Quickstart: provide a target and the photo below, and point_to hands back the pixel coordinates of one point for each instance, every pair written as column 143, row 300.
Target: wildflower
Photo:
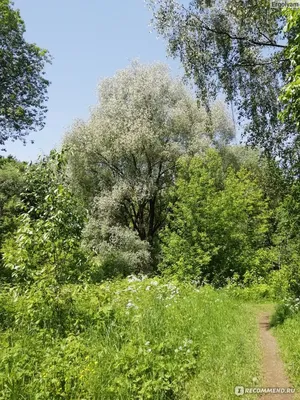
column 129, row 304
column 130, row 289
column 132, row 278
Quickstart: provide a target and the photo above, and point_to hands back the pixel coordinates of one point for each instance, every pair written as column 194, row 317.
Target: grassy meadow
column 128, row 339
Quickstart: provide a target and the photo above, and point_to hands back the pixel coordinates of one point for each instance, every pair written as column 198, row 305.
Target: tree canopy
column 236, row 48
column 23, row 86
column 123, row 158
column 290, row 95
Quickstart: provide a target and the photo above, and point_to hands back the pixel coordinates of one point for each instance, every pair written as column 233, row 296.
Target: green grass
column 147, row 339
column 288, row 336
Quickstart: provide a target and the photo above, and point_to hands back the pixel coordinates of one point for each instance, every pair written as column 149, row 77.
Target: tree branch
column 235, row 37
column 109, row 164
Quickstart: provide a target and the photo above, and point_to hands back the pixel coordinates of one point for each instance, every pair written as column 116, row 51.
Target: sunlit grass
column 288, row 336
column 147, row 339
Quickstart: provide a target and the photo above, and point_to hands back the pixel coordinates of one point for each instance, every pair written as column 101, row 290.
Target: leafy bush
column 47, row 240
column 218, row 224
column 7, row 307
column 286, row 240
column 285, row 309
column 11, row 186
column 118, row 251
column 255, row 293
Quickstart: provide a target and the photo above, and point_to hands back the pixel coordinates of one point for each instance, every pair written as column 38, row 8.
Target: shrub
column 218, row 224
column 47, row 241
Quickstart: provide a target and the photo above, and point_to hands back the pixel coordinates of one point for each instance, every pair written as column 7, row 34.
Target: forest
column 137, row 258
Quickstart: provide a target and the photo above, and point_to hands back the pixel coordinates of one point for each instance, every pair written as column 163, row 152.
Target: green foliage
column 123, row 159
column 41, row 368
column 11, row 186
column 118, row 250
column 255, row 293
column 267, row 172
column 284, row 310
column 7, row 307
column 288, row 336
column 115, row 345
column 218, row 224
column 225, row 45
column 23, row 87
column 11, row 180
column 286, row 239
column 46, row 244
column 291, row 92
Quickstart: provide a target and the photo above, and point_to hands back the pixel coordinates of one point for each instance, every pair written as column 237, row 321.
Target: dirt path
column 273, row 368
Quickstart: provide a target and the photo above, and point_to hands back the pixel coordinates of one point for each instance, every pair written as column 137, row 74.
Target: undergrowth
column 137, row 338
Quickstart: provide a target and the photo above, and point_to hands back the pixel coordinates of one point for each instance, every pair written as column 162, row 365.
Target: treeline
column 150, row 184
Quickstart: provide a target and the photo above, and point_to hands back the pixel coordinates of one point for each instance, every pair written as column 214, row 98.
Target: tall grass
column 288, row 334
column 130, row 339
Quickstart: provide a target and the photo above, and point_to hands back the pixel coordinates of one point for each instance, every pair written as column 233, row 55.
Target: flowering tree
column 123, row 158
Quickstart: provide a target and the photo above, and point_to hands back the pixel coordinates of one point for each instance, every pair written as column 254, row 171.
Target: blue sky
column 89, row 40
